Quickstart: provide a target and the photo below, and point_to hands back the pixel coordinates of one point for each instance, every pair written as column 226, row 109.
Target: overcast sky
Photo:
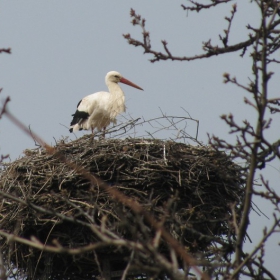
column 62, row 50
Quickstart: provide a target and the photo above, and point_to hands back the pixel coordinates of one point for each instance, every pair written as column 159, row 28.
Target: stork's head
column 116, row 77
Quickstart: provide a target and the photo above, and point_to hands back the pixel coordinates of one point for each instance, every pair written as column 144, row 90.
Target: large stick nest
column 193, row 188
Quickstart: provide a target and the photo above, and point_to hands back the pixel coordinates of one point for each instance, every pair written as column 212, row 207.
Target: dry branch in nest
column 192, row 190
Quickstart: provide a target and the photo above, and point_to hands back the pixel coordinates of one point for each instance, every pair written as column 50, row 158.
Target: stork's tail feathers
column 78, row 119
column 75, row 127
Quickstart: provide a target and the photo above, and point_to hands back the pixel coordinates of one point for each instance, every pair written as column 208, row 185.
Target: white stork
column 97, row 110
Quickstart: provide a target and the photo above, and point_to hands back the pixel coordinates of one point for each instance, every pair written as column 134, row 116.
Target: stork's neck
column 116, row 99
column 115, row 90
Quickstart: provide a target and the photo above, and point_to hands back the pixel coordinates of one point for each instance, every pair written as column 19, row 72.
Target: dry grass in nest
column 191, row 187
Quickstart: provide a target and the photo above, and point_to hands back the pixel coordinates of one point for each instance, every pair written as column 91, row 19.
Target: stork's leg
column 104, row 129
column 92, row 129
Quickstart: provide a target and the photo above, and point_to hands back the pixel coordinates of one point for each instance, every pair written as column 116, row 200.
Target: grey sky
column 62, row 50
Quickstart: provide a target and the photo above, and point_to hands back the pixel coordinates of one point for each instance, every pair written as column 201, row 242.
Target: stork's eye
column 116, row 76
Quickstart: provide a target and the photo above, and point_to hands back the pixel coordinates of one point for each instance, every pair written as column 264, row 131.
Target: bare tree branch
column 198, row 6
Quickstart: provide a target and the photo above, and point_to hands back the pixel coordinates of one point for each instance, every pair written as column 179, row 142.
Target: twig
column 128, row 266
column 257, row 248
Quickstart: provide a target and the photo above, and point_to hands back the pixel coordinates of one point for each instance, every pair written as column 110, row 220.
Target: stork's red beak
column 127, row 82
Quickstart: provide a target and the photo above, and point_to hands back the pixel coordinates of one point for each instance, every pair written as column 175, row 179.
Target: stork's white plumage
column 99, row 109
